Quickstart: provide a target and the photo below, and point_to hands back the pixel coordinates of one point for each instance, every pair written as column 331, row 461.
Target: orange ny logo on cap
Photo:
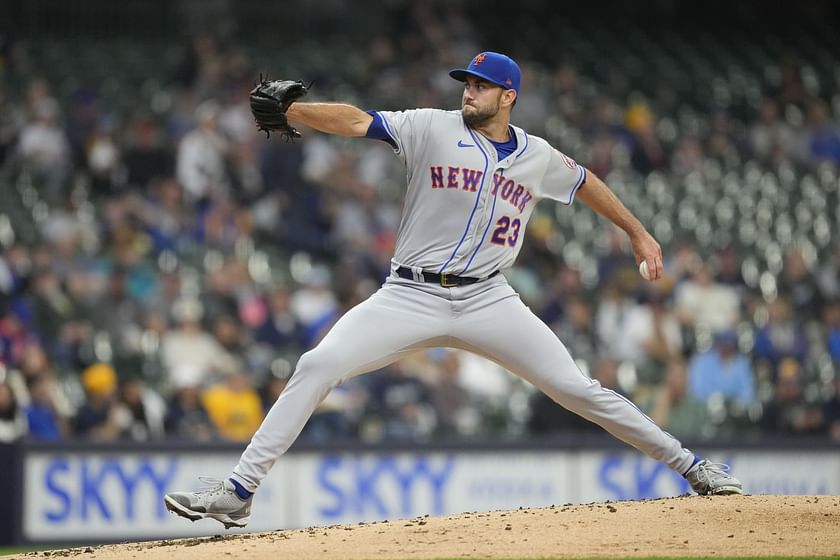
column 479, row 58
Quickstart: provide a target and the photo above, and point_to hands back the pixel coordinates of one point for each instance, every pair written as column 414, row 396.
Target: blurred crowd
column 163, row 266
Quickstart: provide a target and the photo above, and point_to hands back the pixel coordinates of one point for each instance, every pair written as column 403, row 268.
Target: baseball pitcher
column 473, row 182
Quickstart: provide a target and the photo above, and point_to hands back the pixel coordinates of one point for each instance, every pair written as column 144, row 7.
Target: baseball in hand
column 643, row 270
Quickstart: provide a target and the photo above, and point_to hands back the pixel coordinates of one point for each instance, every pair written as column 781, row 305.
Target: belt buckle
column 444, row 281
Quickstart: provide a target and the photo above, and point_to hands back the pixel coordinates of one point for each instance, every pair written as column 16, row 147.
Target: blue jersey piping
column 397, row 148
column 580, row 182
column 492, row 212
column 477, row 199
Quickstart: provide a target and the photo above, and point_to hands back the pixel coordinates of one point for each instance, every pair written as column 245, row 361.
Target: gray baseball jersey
column 465, row 211
column 465, row 214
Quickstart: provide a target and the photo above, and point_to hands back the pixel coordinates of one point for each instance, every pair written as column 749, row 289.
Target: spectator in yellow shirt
column 234, row 407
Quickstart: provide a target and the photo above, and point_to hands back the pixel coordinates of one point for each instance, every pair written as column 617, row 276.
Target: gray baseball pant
column 486, row 318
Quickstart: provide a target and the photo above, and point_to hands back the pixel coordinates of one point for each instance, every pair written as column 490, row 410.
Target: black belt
column 445, row 280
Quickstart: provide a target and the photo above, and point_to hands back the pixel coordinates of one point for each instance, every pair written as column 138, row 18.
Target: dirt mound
column 684, row 526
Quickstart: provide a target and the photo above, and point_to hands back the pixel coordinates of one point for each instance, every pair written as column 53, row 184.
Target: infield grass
column 7, row 550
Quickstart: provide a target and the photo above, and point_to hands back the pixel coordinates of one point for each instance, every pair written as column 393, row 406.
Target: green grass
column 9, row 550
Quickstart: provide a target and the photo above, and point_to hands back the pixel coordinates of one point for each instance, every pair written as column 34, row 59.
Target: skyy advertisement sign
column 98, row 497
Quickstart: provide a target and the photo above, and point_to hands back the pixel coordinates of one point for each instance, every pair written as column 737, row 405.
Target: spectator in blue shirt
column 722, row 370
column 782, row 337
column 44, row 422
column 831, row 318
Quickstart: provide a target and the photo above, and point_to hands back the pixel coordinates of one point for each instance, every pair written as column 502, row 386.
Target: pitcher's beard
column 477, row 118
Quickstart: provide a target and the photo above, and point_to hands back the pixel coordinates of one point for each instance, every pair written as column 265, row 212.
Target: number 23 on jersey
column 506, row 232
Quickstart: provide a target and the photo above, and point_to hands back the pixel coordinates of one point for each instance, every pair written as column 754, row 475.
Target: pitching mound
column 685, row 526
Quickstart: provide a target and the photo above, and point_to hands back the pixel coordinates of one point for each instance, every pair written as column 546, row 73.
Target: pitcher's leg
column 393, row 322
column 525, row 345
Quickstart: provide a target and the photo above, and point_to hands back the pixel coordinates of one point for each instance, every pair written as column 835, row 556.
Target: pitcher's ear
column 510, row 94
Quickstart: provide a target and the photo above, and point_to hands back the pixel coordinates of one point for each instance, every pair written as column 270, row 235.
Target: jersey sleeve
column 378, row 131
column 563, row 177
column 404, row 131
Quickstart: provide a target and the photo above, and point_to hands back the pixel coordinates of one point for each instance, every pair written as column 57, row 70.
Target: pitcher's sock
column 697, row 459
column 240, row 490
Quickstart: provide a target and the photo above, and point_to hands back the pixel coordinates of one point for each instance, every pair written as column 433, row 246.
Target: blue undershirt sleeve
column 377, row 130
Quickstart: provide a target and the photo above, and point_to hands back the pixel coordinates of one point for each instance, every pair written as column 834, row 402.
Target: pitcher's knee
column 320, row 365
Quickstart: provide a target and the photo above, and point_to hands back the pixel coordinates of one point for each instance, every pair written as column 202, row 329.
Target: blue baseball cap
column 493, row 67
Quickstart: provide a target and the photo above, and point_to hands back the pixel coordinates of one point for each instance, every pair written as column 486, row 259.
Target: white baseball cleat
column 219, row 502
column 707, row 478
